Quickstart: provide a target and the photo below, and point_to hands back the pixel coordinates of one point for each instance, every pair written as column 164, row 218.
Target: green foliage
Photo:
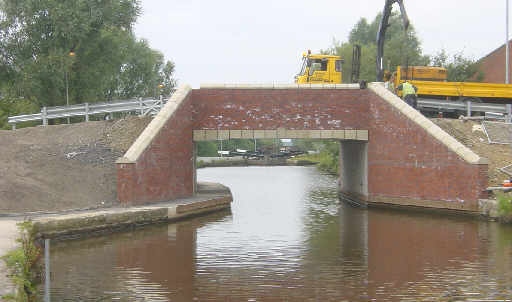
column 460, row 68
column 200, row 164
column 22, row 262
column 327, row 158
column 207, row 149
column 10, row 107
column 504, row 204
column 37, row 36
column 166, row 78
column 400, row 47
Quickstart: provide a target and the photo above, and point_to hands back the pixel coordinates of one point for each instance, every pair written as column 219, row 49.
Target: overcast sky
column 239, row 41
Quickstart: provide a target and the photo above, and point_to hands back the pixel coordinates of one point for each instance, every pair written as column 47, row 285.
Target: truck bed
column 464, row 89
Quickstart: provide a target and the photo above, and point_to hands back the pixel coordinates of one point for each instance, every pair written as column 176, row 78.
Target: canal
column 288, row 238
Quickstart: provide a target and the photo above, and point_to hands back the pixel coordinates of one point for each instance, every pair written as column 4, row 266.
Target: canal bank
column 211, row 197
column 488, row 209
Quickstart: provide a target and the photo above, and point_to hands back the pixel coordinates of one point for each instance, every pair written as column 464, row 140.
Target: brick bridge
column 389, row 153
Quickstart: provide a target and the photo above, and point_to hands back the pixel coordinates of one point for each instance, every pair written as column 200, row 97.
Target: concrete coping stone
column 214, row 134
column 278, row 86
column 464, row 152
column 155, row 126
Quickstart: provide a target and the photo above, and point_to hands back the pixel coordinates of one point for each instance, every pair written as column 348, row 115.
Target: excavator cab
column 320, row 69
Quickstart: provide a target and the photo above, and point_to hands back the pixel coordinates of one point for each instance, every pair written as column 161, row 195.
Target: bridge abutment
column 353, row 171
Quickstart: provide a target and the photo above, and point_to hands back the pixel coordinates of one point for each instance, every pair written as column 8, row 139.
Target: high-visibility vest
column 407, row 89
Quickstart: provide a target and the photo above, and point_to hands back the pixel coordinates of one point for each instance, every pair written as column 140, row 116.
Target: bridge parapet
column 279, row 86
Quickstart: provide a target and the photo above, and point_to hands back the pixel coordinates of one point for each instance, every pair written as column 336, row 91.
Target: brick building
column 493, row 65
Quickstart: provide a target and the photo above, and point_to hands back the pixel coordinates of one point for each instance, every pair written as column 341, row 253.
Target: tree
column 400, row 48
column 37, row 36
column 207, row 149
column 362, row 33
column 166, row 78
column 459, row 67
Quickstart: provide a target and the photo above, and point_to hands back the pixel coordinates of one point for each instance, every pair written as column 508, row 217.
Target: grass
column 22, row 264
column 327, row 162
column 504, row 204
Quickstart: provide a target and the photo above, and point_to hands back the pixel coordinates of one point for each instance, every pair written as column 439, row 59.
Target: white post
column 86, row 112
column 468, row 108
column 45, row 117
column 67, row 94
column 13, row 126
column 47, row 270
column 140, row 107
column 509, row 113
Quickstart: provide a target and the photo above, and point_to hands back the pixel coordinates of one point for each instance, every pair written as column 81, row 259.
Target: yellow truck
column 320, row 69
column 432, row 83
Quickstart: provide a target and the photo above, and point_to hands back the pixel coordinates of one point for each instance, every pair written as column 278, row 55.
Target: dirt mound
column 470, row 134
column 64, row 166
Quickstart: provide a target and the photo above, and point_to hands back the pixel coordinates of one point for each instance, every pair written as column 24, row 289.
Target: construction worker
column 387, row 76
column 389, row 83
column 392, row 87
column 409, row 94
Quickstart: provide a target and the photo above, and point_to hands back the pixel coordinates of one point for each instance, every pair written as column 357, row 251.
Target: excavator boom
column 381, row 34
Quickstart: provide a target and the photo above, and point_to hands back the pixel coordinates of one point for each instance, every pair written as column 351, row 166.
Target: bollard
column 45, row 117
column 47, row 270
column 141, row 108
column 509, row 113
column 86, row 112
column 468, row 108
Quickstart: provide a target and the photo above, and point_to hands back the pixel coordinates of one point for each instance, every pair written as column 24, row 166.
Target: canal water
column 287, row 238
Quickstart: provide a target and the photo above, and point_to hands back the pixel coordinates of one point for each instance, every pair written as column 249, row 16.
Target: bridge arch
column 353, row 155
column 390, row 153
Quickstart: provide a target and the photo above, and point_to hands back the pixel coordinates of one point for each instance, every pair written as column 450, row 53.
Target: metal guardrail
column 149, row 106
column 465, row 106
column 143, row 107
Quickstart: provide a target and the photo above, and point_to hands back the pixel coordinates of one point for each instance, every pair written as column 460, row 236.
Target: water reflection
column 150, row 264
column 427, row 256
column 288, row 238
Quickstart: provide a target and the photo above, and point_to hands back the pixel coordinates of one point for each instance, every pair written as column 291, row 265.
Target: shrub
column 22, row 264
column 504, row 204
